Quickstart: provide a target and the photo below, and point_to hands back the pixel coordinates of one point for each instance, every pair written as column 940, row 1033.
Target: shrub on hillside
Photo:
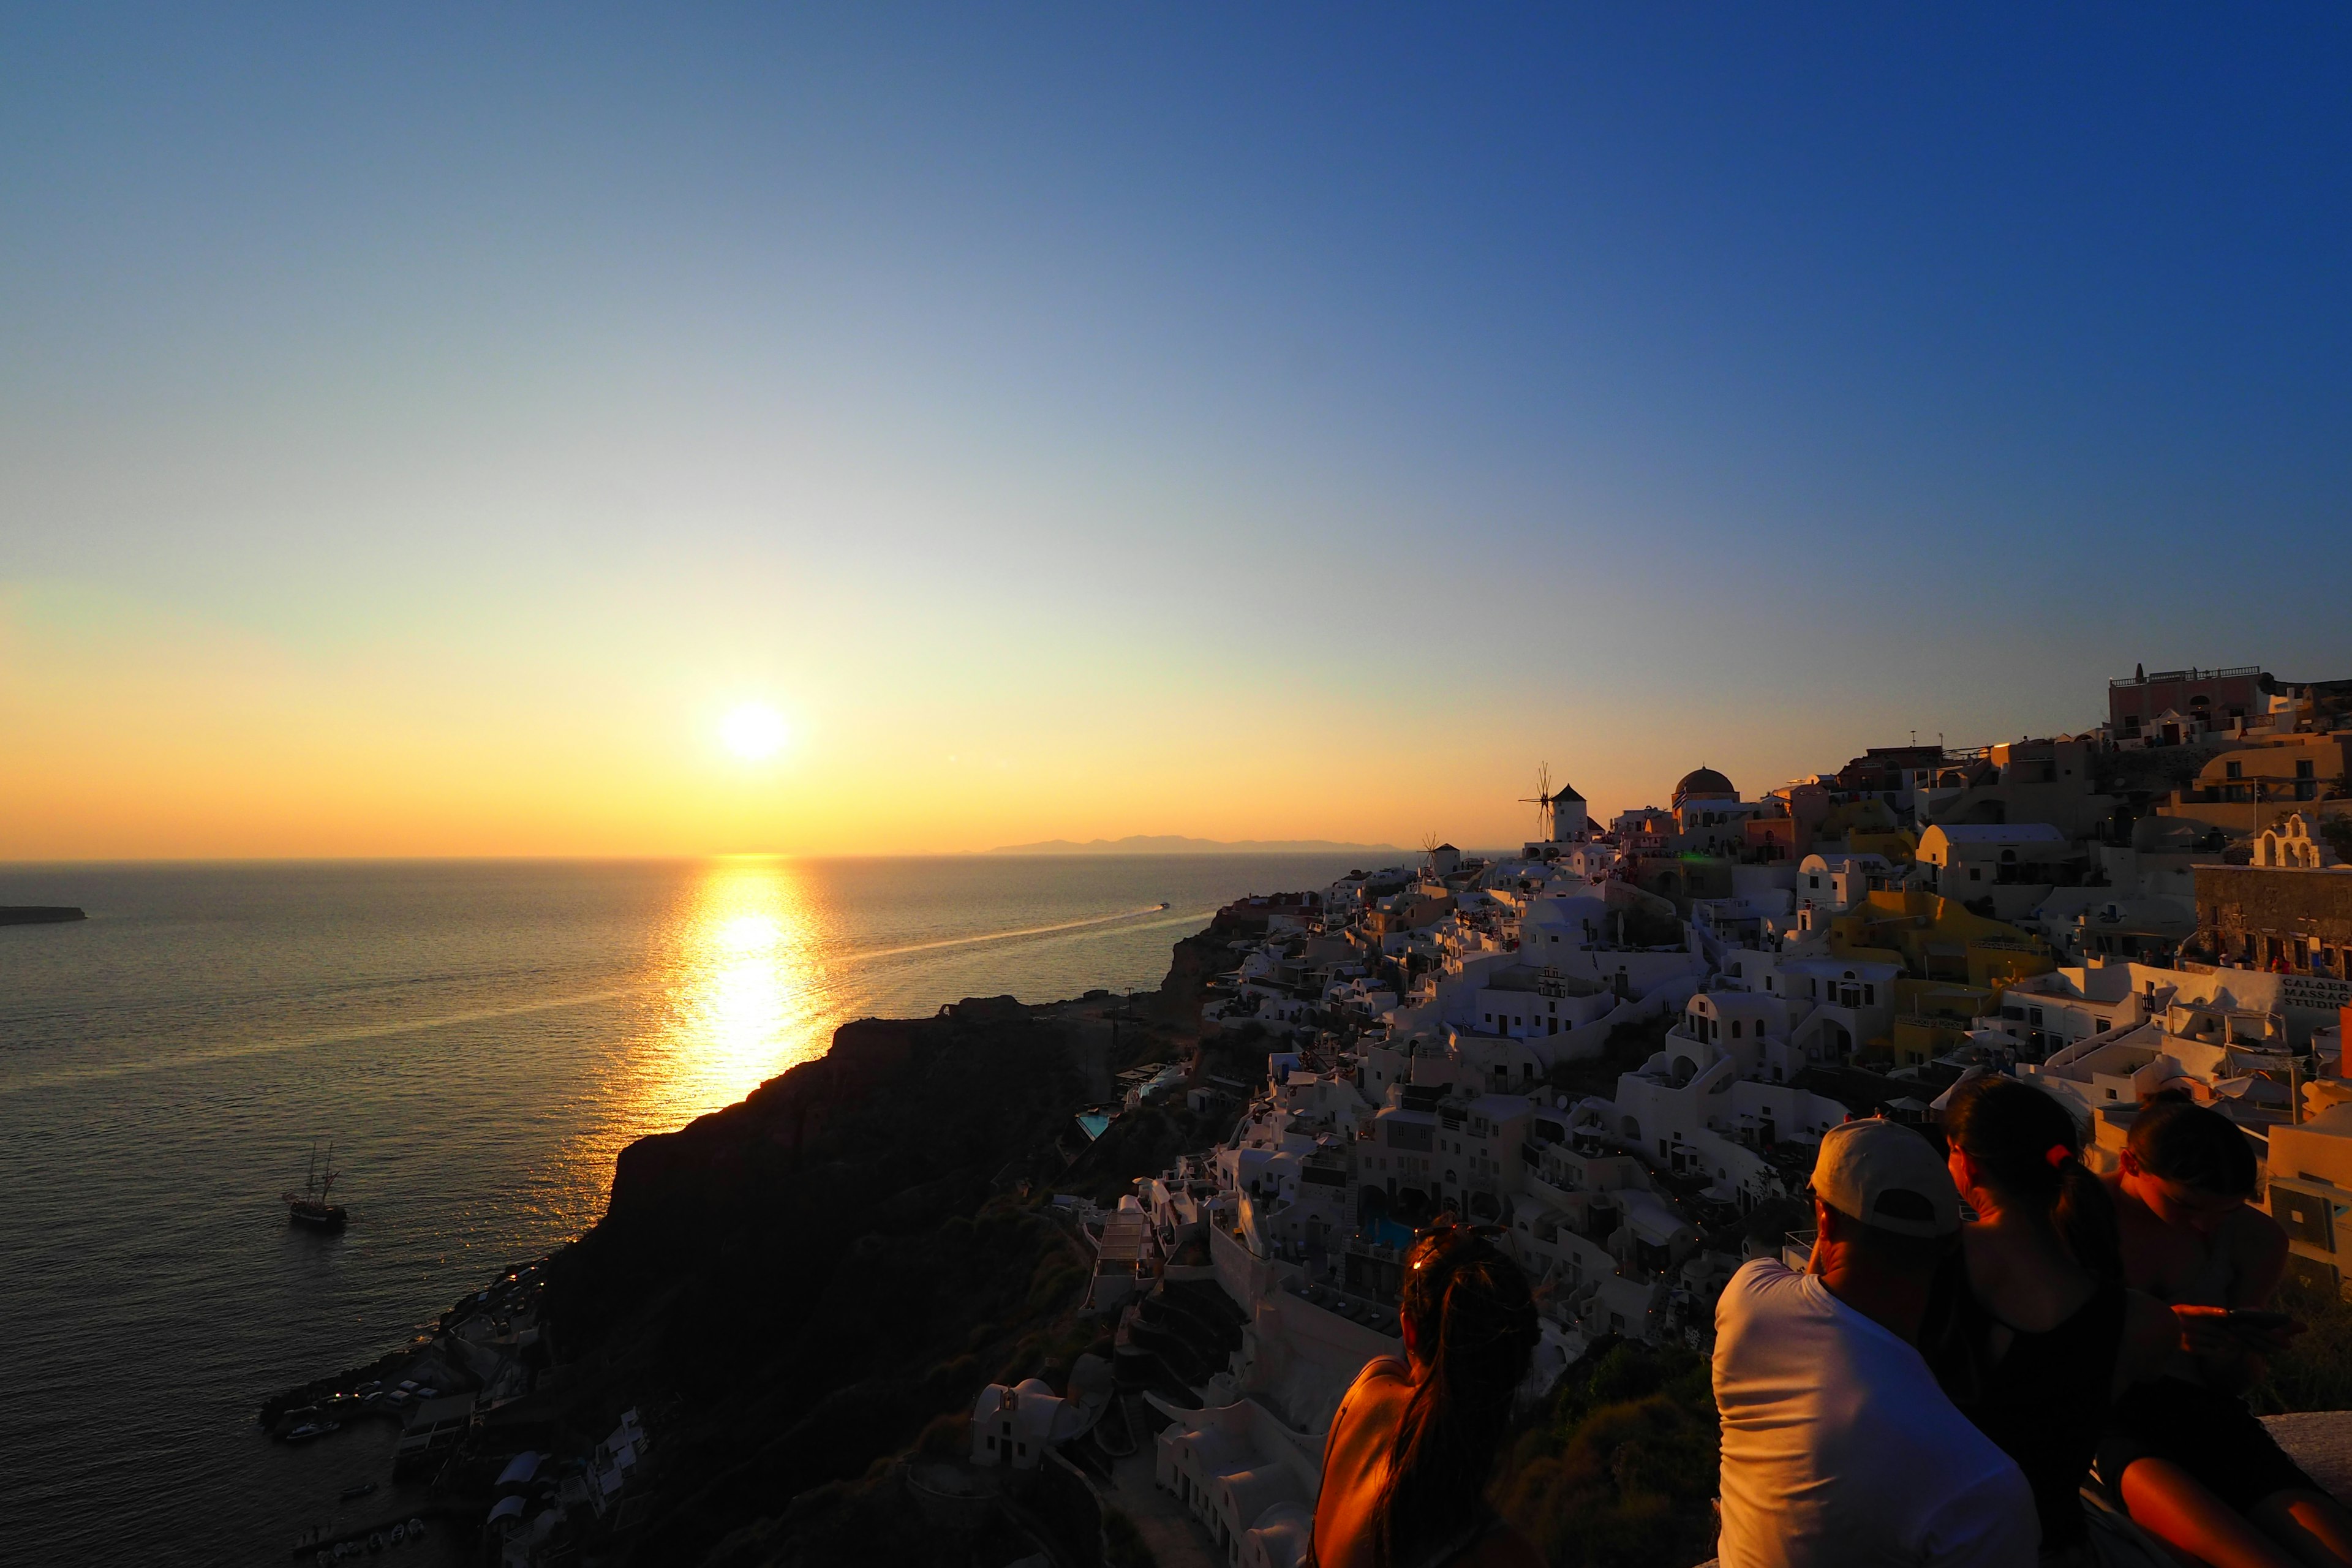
column 2317, row 1373
column 1618, row 1469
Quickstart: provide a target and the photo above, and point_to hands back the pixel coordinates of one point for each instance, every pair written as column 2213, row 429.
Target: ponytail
column 2085, row 1220
column 2030, row 1152
column 1473, row 1322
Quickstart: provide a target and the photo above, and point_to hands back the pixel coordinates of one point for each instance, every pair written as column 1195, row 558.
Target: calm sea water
column 479, row 1040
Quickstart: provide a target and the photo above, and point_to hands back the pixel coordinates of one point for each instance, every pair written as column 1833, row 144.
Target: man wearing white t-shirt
column 1838, row 1447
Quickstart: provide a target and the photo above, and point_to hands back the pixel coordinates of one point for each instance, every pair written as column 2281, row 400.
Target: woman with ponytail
column 1406, row 1462
column 2030, row 1331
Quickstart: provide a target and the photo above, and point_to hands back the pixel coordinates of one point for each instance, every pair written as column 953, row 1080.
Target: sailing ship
column 311, row 1206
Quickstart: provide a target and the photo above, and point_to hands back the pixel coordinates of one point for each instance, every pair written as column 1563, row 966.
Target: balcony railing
column 2235, row 672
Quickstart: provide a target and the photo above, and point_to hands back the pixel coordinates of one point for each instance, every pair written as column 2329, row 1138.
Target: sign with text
column 2316, row 992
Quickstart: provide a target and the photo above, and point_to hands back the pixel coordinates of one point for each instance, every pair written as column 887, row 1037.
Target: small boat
column 357, row 1490
column 310, row 1207
column 399, row 1533
column 415, row 1528
column 375, row 1540
column 1163, row 904
column 309, row 1429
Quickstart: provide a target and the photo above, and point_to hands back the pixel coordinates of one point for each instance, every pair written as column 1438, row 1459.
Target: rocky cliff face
column 803, row 1281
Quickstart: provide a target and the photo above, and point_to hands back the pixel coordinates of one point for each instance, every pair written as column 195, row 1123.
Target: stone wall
column 2253, row 915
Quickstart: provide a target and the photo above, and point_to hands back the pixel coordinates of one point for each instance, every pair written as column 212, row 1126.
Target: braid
column 1470, row 1307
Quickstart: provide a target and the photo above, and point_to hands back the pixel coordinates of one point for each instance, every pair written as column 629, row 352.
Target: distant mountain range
column 1175, row 843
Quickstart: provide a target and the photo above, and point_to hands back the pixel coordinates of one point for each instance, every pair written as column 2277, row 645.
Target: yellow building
column 1957, row 963
column 1932, row 1016
column 1899, row 845
column 2253, row 786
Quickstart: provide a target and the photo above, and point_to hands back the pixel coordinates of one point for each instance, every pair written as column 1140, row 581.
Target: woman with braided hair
column 1407, row 1459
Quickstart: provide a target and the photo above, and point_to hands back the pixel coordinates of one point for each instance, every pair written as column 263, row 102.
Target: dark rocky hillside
column 806, row 1279
column 804, row 1283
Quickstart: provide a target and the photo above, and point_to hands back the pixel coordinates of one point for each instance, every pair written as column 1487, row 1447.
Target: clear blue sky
column 416, row 427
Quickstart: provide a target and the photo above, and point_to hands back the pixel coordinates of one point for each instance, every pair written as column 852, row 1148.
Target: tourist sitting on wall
column 2030, row 1330
column 1838, row 1447
column 1409, row 1452
column 2182, row 1453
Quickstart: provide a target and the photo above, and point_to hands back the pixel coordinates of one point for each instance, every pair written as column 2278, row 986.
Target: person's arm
column 1988, row 1525
column 1340, row 1514
column 2230, row 1354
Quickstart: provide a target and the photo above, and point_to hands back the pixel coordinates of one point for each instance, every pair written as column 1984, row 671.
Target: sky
column 421, row 428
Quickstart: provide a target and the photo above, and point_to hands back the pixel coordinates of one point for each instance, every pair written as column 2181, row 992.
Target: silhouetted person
column 2030, row 1331
column 2183, row 1453
column 1838, row 1447
column 1410, row 1451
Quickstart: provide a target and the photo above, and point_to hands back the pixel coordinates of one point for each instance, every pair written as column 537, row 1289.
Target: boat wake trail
column 307, row 1040
column 1125, row 917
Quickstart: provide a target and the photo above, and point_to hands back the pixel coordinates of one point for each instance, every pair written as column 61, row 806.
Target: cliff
column 797, row 1287
column 801, row 1281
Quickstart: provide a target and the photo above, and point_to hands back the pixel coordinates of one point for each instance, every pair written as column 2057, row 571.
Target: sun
column 752, row 731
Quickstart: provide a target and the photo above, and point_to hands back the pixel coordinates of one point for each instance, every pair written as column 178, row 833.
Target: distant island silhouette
column 1176, row 844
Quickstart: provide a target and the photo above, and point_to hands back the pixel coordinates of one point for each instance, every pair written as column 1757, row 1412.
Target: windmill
column 1542, row 801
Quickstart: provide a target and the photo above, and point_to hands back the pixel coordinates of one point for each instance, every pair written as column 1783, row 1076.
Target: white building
column 1837, row 881
column 1961, row 861
column 1016, row 1425
column 1238, row 1469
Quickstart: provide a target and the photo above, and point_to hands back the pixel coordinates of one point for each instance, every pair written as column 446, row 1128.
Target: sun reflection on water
column 746, row 995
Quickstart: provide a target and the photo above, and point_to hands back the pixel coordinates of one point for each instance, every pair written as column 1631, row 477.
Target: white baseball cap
column 1887, row 1177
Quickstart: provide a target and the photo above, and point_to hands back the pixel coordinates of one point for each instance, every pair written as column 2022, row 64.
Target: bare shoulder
column 1385, row 1382
column 1380, row 1373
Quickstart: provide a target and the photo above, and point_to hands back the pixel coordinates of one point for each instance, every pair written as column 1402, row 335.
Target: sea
column 477, row 1041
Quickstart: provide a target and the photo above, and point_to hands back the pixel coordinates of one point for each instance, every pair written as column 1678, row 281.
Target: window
column 2233, row 770
column 2304, row 1215
column 1870, row 995
column 1735, row 1028
column 2303, row 770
